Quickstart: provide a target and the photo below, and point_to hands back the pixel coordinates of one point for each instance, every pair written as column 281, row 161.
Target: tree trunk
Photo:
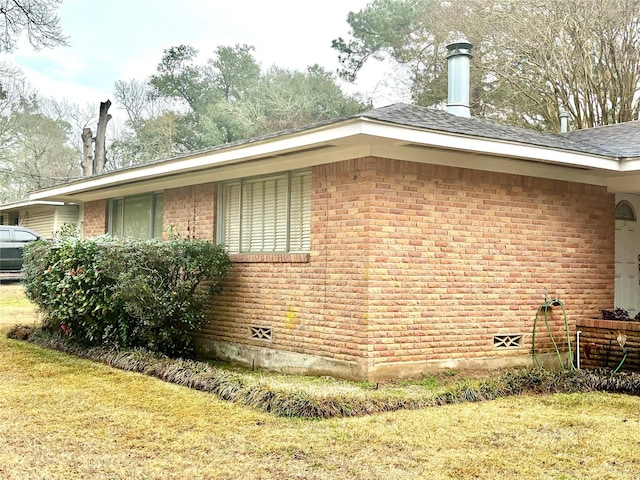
column 101, row 148
column 87, row 153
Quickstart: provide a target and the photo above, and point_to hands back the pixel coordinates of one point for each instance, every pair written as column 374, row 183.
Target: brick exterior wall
column 191, row 211
column 96, row 218
column 599, row 346
column 459, row 256
column 415, row 263
column 314, row 307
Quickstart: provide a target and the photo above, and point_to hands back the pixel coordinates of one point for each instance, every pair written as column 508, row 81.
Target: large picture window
column 139, row 216
column 267, row 214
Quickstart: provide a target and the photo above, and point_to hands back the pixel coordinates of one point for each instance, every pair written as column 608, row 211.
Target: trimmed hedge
column 126, row 294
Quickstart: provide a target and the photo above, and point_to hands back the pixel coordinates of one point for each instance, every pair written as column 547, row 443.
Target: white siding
column 39, row 220
column 46, row 220
column 65, row 214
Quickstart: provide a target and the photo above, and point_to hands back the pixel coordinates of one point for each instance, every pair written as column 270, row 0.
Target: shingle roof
column 621, row 140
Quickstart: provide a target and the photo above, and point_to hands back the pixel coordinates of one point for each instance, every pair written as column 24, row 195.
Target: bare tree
column 36, row 19
column 532, row 59
column 35, row 150
column 581, row 57
column 100, row 157
column 139, row 100
column 87, row 163
column 14, row 90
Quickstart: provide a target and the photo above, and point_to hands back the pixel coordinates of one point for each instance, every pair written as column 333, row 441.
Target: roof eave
column 29, row 203
column 497, row 147
column 630, row 164
column 264, row 150
column 356, row 131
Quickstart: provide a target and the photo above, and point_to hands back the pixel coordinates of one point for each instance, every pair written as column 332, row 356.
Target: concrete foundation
column 300, row 364
column 276, row 360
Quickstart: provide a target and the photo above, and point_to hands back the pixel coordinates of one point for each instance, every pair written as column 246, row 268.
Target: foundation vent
column 507, row 341
column 260, row 333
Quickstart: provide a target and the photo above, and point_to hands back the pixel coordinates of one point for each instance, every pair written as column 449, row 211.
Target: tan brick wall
column 465, row 255
column 413, row 262
column 191, row 211
column 316, row 307
column 96, row 218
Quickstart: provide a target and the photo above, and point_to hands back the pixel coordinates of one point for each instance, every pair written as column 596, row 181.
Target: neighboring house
column 44, row 217
column 395, row 241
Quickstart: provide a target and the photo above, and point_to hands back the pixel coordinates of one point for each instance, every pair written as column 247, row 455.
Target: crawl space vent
column 261, row 333
column 507, row 341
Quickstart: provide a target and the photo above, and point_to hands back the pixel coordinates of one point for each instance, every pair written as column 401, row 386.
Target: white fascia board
column 226, row 172
column 630, row 165
column 487, row 163
column 261, row 151
column 489, row 146
column 29, row 203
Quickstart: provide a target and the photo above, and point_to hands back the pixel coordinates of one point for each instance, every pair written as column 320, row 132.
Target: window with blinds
column 136, row 217
column 267, row 214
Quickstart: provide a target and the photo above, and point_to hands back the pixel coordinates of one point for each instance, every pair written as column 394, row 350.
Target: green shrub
column 163, row 287
column 66, row 280
column 129, row 294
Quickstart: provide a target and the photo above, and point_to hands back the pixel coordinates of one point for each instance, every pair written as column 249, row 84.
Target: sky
column 112, row 40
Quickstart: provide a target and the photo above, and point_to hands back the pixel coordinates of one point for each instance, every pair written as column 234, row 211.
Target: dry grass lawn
column 66, row 418
column 14, row 306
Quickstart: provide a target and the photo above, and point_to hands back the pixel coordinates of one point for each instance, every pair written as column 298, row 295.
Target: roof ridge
column 384, row 109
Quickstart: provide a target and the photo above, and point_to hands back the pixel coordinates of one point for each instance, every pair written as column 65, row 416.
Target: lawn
column 66, row 418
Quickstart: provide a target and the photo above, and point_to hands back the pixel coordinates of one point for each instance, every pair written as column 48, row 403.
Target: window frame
column 622, row 207
column 303, row 226
column 152, row 214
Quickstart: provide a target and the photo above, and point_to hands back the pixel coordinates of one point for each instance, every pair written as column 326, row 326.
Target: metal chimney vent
column 564, row 122
column 459, row 58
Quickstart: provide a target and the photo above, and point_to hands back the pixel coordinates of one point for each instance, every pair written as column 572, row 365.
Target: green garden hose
column 624, row 357
column 544, row 308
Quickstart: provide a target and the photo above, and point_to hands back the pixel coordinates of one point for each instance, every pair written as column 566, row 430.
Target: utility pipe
column 578, row 333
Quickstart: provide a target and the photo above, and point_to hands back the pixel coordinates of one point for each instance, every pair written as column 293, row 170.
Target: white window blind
column 300, row 212
column 267, row 214
column 231, row 215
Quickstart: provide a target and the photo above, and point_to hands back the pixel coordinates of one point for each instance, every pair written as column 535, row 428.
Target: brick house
column 395, row 241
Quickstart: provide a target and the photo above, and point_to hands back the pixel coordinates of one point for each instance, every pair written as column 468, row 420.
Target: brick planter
column 599, row 346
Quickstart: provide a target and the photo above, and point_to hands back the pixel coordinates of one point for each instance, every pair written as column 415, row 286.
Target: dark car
column 12, row 241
